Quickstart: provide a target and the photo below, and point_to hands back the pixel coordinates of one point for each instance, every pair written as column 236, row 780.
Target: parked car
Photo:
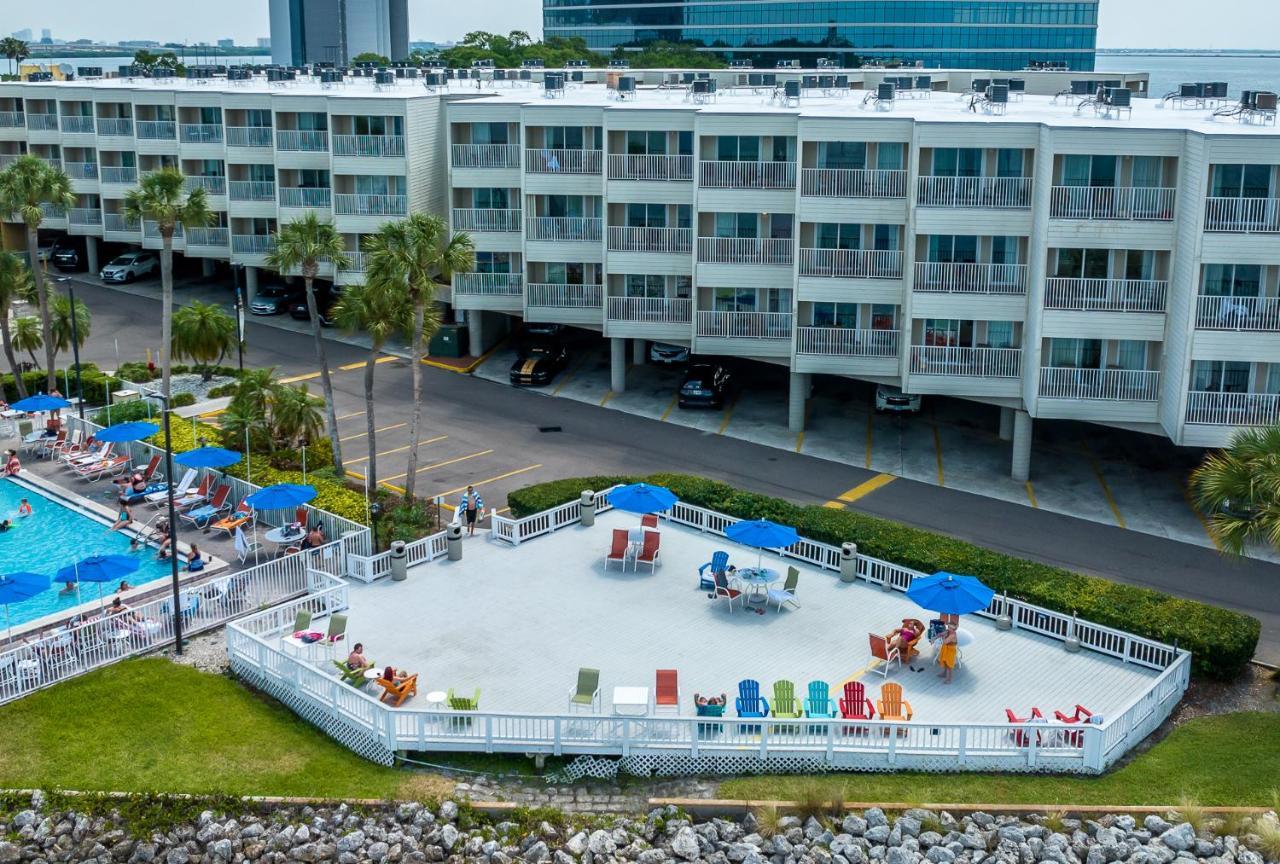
column 666, row 354
column 274, row 299
column 325, row 298
column 130, row 266
column 706, row 385
column 69, row 254
column 892, row 399
column 544, row 331
column 538, row 363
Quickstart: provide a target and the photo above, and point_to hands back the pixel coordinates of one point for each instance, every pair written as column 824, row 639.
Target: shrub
column 222, row 390
column 1222, row 642
column 137, row 371
column 331, row 494
column 182, row 400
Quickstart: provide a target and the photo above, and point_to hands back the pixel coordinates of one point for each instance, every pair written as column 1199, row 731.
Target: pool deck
column 518, row 622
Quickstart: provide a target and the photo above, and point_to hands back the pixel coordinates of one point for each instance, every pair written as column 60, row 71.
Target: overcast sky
column 1125, row 23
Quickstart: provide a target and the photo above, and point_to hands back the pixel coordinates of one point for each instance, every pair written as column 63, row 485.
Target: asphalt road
column 492, row 435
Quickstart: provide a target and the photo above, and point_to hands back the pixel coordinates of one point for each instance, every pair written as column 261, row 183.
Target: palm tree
column 15, row 281
column 161, row 197
column 16, row 50
column 418, row 254
column 203, row 332
column 60, row 311
column 378, row 310
column 1238, row 489
column 26, row 337
column 302, row 245
column 295, row 416
column 26, row 186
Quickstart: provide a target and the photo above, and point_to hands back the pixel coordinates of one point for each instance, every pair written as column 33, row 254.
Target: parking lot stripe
column 1195, row 511
column 490, row 480
column 937, row 446
column 728, row 415
column 349, row 366
column 349, row 416
column 808, row 403
column 440, row 465
column 568, row 375
column 399, row 449
column 869, row 416
column 864, row 489
column 834, row 505
column 310, row 376
column 1106, row 490
column 355, row 435
column 1031, row 494
column 670, row 406
column 607, row 397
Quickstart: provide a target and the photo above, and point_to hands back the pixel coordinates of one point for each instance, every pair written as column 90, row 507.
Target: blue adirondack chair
column 819, row 703
column 719, row 563
column 749, row 702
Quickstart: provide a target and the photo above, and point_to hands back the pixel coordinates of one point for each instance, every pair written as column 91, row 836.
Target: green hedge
column 1222, row 642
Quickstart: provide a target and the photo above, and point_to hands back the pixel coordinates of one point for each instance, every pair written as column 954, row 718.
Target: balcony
column 972, row 362
column 7, row 159
column 747, row 175
column 485, row 155
column 846, row 342
column 541, row 161
column 248, row 136
column 151, row 230
column 368, row 145
column 43, row 122
column 853, row 183
column 53, row 211
column 745, row 325
column 306, row 196
column 970, row 278
column 215, row 237
column 1259, row 314
column 200, row 133
column 77, row 124
column 1128, row 385
column 253, row 244
column 251, row 190
column 745, row 250
column 1105, row 295
column 212, row 184
column 626, row 166
column 851, row 263
column 997, row 193
column 348, row 204
column 502, row 284
column 355, row 262
column 545, row 294
column 156, row 130
column 1242, row 215
column 12, row 120
column 486, row 220
column 629, row 239
column 91, row 216
column 119, row 174
column 118, row 222
column 302, row 140
column 564, row 228
column 1112, row 204
column 650, row 310
column 1213, row 408
column 121, row 127
column 81, row 170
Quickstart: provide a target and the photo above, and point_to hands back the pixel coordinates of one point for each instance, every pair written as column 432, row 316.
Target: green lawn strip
column 1231, row 759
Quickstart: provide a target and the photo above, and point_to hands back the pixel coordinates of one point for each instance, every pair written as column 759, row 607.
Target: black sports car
column 538, row 363
column 705, row 385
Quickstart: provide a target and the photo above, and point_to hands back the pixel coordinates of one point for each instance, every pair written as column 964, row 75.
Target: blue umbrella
column 642, row 498
column 950, row 593
column 16, row 587
column 207, row 457
column 281, row 496
column 40, row 402
column 98, row 568
column 762, row 534
column 123, row 432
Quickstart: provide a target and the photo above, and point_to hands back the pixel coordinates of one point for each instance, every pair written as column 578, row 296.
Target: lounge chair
column 162, row 497
column 189, row 498
column 243, row 515
column 749, row 702
column 463, row 703
column 723, row 591
column 201, row 516
column 337, row 630
column 649, row 520
column 819, row 702
column 719, row 563
column 112, row 466
column 587, row 693
column 787, row 593
column 397, row 693
column 891, row 705
column 245, row 545
column 98, row 454
column 149, row 471
column 649, row 551
column 354, row 677
column 880, row 650
column 785, row 703
column 1021, row 737
column 618, row 551
column 666, row 691
column 70, row 442
column 301, row 621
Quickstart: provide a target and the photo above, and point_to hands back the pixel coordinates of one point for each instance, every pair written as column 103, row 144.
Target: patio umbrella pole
column 173, row 532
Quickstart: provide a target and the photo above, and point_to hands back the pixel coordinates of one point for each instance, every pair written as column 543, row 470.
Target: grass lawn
column 1232, row 759
column 151, row 725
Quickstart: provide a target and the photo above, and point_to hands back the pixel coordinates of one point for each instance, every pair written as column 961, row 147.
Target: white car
column 130, row 266
column 666, row 354
column 890, row 398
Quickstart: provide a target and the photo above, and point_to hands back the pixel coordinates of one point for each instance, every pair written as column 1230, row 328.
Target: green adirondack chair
column 463, row 703
column 354, row 677
column 785, row 704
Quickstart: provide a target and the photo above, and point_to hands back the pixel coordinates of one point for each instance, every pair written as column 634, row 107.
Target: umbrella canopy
column 642, row 498
column 950, row 593
column 281, row 496
column 207, row 457
column 122, row 432
column 40, row 402
column 98, row 568
column 16, row 587
column 762, row 534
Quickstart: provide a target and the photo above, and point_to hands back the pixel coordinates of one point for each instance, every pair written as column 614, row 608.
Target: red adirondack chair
column 1021, row 737
column 1073, row 738
column 618, row 552
column 855, row 705
column 666, row 691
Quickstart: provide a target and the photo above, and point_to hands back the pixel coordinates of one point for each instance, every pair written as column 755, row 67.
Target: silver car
column 130, row 266
column 892, row 399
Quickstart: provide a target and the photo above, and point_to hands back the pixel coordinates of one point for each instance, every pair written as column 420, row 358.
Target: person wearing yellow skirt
column 947, row 653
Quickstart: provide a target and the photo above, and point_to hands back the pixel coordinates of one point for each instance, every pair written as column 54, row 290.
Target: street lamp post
column 173, row 529
column 75, row 345
column 235, row 275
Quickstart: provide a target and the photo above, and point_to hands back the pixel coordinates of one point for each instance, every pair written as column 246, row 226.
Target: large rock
column 10, row 852
column 601, row 843
column 877, row 834
column 875, row 816
column 448, row 835
column 1180, row 838
column 537, row 853
column 685, row 844
column 855, row 826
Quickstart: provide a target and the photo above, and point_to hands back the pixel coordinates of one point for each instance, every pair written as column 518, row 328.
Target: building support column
column 250, row 283
column 799, row 394
column 475, row 332
column 1021, row 446
column 618, row 365
column 638, row 347
column 91, row 254
column 1006, row 424
column 206, row 267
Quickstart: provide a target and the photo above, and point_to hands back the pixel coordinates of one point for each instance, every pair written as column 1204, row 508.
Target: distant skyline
column 1123, row 23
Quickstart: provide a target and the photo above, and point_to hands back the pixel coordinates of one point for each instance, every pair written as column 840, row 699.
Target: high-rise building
column 24, row 34
column 46, row 35
column 226, row 43
column 941, row 33
column 264, row 42
column 334, row 31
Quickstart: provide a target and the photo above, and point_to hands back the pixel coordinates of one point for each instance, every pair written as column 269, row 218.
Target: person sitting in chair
column 395, row 677
column 12, row 466
column 356, row 661
column 902, row 637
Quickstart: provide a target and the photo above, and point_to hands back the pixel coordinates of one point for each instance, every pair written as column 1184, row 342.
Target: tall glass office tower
column 981, row 34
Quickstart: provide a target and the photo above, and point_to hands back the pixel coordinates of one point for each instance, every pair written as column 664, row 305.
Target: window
column 1140, row 264
column 884, row 316
column 734, row 300
column 1004, row 250
column 644, row 286
column 565, row 273
column 566, row 205
column 1000, row 334
column 209, row 115
column 646, row 143
column 835, row 315
column 736, row 148
column 258, row 117
column 564, row 137
column 736, row 225
column 957, row 162
column 262, row 173
column 311, row 121
column 1009, row 163
column 1232, row 280
column 1220, row 376
column 365, row 125
column 890, row 156
column 777, row 299
column 207, row 167
column 1131, row 354
column 842, row 154
column 372, row 184
column 1082, row 264
column 646, row 215
column 1241, row 181
column 885, row 237
column 953, row 249
column 1081, row 170
column 489, row 133
column 831, row 235
column 493, row 262
column 490, row 199
column 1076, row 353
column 1148, row 171
column 780, row 225
column 947, row 332
column 313, row 178
column 684, row 143
column 784, row 148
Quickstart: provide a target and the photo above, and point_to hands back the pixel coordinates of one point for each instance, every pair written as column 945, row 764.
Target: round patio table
column 758, row 579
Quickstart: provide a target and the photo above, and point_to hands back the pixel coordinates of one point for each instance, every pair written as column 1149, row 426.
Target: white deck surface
column 518, row 622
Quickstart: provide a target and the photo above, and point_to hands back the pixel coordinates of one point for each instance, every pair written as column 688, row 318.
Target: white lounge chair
column 183, row 485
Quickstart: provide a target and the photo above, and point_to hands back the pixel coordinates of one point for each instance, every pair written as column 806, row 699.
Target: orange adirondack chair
column 880, row 650
column 398, row 692
column 618, row 551
column 891, row 705
column 666, row 691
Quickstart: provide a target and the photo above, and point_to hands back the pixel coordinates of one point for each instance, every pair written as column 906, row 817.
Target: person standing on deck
column 471, row 504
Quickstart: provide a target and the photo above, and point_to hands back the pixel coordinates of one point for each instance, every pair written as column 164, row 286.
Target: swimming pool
column 54, row 536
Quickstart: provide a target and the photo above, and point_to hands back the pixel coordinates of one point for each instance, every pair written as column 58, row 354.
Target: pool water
column 54, row 536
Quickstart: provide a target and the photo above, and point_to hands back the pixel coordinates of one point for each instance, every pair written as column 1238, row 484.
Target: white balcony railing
column 485, row 155
column 486, row 220
column 1105, row 295
column 7, row 159
column 252, row 244
column 121, row 127
column 543, row 294
column 991, row 192
column 119, row 174
column 1112, row 203
column 347, row 204
column 81, row 170
column 151, row 230
column 53, row 211
column 85, row 216
column 575, row 228
column 118, row 222
column 368, row 145
column 1131, row 385
column 355, row 262
column 1233, row 409
column 12, row 119
column 42, row 122
column 76, row 124
column 305, row 140
column 852, row 263
column 212, row 184
column 200, row 133
column 846, row 342
column 248, row 136
column 216, row 237
column 561, row 161
column 1238, row 313
column 650, row 310
column 970, row 278
column 1242, row 215
column 506, row 284
column 745, row 250
column 629, row 166
column 628, row 239
column 745, row 325
column 251, row 190
column 853, row 183
column 747, row 175
column 156, row 130
column 306, row 196
column 979, row 362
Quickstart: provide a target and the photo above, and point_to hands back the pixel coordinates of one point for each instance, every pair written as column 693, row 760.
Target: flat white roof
column 362, row 88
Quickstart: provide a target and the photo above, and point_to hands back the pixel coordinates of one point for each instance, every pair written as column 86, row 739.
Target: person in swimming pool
column 5, row 525
column 24, row 508
column 123, row 518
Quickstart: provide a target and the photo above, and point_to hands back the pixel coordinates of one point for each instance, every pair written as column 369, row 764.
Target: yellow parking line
column 355, row 435
column 937, row 446
column 670, row 405
column 399, row 449
column 492, row 480
column 869, row 416
column 360, row 365
column 804, row 425
column 1106, row 490
column 1031, row 494
column 864, row 489
column 310, row 376
column 1186, row 495
column 349, row 416
column 834, row 505
column 568, row 376
column 442, row 464
column 607, row 397
column 728, row 415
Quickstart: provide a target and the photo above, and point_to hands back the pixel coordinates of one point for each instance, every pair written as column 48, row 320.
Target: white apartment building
column 1122, row 270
